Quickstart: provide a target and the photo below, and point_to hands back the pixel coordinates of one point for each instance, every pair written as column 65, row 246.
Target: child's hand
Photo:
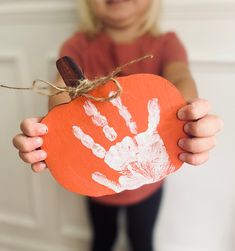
column 202, row 128
column 28, row 142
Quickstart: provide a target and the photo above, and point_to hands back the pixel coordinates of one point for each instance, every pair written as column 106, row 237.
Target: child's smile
column 116, row 1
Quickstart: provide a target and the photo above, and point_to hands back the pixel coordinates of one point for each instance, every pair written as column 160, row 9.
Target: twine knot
column 82, row 87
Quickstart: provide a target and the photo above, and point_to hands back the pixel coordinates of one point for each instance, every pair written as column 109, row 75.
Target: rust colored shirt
column 101, row 55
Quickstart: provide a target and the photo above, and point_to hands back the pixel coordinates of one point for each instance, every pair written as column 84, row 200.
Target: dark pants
column 140, row 219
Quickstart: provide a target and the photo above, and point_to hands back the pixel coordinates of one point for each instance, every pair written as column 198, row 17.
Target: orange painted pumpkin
column 101, row 148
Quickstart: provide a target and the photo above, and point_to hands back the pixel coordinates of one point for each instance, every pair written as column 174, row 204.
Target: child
column 114, row 32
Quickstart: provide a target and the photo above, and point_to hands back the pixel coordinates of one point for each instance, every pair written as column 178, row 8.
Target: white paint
column 88, row 142
column 154, row 115
column 99, row 120
column 123, row 111
column 140, row 160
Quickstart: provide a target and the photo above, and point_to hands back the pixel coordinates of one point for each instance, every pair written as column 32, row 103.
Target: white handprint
column 140, row 160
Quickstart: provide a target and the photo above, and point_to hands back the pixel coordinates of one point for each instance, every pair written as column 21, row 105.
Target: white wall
column 198, row 209
column 198, row 213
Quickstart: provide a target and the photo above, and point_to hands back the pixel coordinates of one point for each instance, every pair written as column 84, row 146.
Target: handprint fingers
column 103, row 180
column 124, row 113
column 154, row 114
column 99, row 120
column 88, row 142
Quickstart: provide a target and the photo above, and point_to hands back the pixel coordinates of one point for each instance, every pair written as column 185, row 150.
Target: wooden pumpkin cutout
column 101, row 148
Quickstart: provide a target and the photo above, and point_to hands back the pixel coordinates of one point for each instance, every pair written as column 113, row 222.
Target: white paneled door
column 36, row 214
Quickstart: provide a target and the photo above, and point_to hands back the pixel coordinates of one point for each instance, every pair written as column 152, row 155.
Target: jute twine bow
column 83, row 87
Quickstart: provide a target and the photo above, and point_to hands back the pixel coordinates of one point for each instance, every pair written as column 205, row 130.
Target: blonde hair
column 89, row 24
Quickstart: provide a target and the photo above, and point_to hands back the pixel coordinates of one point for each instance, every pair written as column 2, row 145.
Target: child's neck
column 122, row 35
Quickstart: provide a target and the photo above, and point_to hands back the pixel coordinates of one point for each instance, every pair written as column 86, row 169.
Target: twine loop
column 82, row 88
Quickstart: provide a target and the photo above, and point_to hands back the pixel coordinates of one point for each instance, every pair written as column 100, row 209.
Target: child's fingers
column 33, row 157
column 31, row 127
column 39, row 166
column 26, row 144
column 205, row 127
column 197, row 145
column 195, row 110
column 194, row 158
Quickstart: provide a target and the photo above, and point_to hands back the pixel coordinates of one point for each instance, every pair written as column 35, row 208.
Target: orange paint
column 72, row 164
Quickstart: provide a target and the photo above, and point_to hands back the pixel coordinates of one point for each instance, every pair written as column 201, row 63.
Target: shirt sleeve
column 174, row 50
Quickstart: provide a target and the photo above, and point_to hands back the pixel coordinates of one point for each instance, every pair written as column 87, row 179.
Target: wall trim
column 211, row 66
column 37, row 12
column 28, row 244
column 196, row 11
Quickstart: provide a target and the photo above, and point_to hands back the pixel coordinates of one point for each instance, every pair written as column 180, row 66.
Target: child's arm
column 201, row 127
column 179, row 74
column 58, row 99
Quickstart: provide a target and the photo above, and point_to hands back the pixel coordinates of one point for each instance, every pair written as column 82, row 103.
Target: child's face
column 119, row 13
